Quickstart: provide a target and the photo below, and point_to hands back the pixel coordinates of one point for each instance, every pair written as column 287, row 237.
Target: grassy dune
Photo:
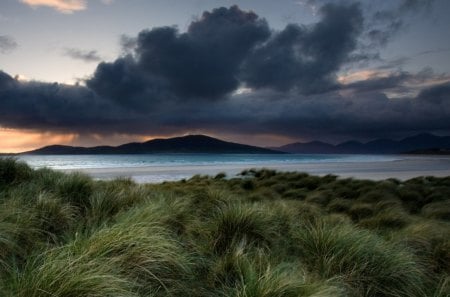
column 262, row 234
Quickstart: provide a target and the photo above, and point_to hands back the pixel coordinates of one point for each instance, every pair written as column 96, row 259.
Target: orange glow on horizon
column 16, row 141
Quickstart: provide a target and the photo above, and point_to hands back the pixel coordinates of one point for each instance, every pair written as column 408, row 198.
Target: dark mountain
column 317, row 147
column 185, row 144
column 420, row 142
column 353, row 146
column 70, row 150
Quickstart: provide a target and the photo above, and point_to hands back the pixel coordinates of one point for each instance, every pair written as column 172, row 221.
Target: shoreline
column 373, row 170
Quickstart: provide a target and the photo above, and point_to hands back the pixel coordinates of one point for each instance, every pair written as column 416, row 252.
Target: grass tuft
column 13, row 172
column 236, row 223
column 60, row 273
column 369, row 265
column 437, row 210
column 75, row 188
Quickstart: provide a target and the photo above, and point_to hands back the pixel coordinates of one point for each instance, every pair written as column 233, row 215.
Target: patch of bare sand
column 404, row 169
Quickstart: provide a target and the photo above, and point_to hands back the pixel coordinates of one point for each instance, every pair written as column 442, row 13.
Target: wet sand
column 409, row 167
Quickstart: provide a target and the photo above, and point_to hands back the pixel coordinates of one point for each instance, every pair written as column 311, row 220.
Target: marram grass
column 261, row 234
column 61, row 273
column 369, row 265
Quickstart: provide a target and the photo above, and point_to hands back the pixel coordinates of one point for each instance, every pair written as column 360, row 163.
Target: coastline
column 403, row 169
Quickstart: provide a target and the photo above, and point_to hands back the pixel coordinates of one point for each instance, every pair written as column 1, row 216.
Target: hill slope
column 185, row 144
column 378, row 146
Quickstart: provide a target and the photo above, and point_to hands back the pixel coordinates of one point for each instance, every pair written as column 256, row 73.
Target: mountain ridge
column 419, row 142
column 181, row 144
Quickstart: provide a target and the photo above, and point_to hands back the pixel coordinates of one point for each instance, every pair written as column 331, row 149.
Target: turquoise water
column 68, row 162
column 170, row 167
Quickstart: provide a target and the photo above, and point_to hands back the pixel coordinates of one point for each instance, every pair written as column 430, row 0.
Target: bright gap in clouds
column 21, row 140
column 63, row 6
column 16, row 141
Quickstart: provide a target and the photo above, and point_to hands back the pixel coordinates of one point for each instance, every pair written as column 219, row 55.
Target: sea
column 70, row 162
column 171, row 167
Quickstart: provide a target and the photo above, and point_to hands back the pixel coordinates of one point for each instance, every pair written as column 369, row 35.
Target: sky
column 261, row 72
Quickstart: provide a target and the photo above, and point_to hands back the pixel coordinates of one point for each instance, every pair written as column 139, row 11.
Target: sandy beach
column 409, row 167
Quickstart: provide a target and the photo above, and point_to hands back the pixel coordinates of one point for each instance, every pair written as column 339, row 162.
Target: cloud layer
column 231, row 73
column 63, row 6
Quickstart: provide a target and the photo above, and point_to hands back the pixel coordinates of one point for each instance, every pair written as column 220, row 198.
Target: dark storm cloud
column 7, row 44
column 328, row 115
column 63, row 108
column 127, row 84
column 83, row 55
column 439, row 94
column 226, row 48
column 370, row 116
column 383, row 19
column 36, row 105
column 202, row 63
column 172, row 82
column 306, row 58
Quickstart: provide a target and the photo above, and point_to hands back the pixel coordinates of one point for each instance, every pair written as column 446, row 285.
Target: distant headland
column 184, row 144
column 419, row 144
